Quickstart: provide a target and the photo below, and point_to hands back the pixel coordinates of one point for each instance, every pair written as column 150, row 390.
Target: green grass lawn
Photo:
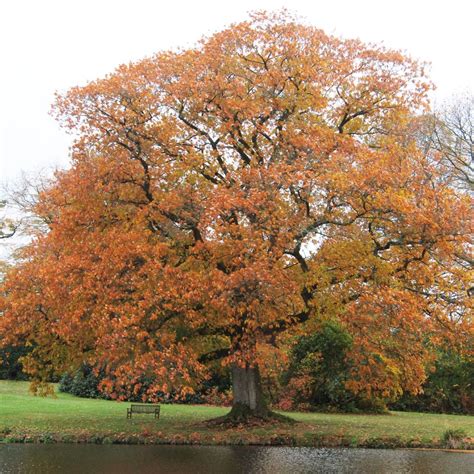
column 24, row 417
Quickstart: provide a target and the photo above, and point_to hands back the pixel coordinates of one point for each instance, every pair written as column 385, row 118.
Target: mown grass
column 26, row 418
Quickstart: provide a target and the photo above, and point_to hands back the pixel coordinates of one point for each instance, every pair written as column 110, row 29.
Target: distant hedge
column 448, row 389
column 10, row 365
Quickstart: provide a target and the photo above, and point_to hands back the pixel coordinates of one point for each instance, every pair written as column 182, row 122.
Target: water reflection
column 114, row 459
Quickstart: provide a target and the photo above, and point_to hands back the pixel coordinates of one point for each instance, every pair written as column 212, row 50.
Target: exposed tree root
column 243, row 415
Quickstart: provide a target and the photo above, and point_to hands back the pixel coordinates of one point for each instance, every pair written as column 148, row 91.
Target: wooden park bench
column 148, row 408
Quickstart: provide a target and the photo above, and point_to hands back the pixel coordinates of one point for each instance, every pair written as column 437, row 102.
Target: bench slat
column 144, row 409
column 147, row 409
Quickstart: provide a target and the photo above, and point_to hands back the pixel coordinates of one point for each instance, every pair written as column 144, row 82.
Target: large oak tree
column 225, row 198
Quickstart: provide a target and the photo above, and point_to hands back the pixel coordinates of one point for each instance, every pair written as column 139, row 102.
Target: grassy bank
column 25, row 418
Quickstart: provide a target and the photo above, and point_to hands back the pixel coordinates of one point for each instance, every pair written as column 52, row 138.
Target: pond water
column 118, row 459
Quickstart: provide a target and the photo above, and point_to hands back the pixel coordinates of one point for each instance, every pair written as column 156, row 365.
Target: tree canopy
column 226, row 198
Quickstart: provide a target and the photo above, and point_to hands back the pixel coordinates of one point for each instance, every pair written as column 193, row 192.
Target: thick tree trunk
column 249, row 404
column 249, row 401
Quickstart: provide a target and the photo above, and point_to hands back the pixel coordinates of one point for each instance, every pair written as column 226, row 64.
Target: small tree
column 450, row 132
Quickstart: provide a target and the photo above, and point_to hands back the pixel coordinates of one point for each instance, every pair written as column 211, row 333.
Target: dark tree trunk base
column 249, row 407
column 242, row 415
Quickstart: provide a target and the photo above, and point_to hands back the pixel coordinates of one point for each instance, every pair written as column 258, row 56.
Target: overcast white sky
column 48, row 45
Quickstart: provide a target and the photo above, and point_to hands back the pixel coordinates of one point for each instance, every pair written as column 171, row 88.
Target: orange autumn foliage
column 224, row 198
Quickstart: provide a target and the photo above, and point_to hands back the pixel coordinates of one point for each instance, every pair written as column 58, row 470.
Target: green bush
column 321, row 356
column 83, row 383
column 10, row 365
column 449, row 388
column 318, row 371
